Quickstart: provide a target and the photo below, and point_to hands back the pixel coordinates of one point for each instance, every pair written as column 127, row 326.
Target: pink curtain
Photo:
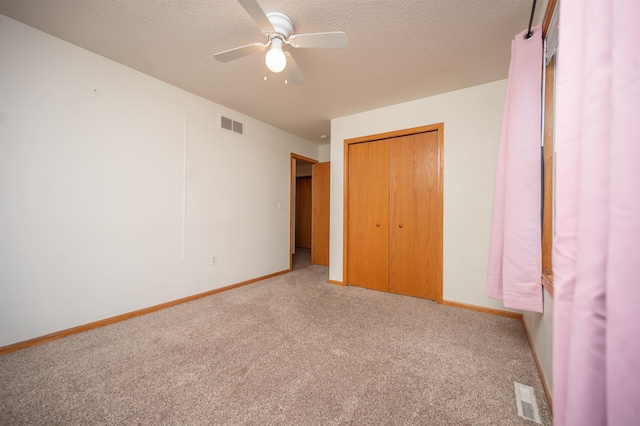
column 515, row 264
column 597, row 230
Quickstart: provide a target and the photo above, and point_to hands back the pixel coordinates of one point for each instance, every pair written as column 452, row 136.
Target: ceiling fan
column 278, row 29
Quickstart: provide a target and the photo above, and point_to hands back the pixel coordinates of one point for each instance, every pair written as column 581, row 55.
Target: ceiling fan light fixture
column 278, row 29
column 275, row 59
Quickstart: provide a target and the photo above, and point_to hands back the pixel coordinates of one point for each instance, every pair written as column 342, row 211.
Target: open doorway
column 301, row 211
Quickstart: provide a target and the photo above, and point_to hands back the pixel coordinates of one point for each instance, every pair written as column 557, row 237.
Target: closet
column 394, row 212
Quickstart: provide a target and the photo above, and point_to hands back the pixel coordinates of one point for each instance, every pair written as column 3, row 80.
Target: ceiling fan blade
column 257, row 14
column 327, row 40
column 239, row 52
column 293, row 71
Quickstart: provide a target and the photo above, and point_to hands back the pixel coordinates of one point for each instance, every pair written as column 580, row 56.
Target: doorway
column 303, row 222
column 309, row 216
column 301, row 213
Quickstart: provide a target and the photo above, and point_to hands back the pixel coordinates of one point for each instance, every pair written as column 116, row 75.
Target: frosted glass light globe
column 275, row 59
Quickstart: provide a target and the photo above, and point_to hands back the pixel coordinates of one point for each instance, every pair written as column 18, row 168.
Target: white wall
column 472, row 119
column 93, row 217
column 540, row 328
column 324, row 153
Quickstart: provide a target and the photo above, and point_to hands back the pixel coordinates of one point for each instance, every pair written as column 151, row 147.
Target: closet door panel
column 320, row 220
column 368, row 216
column 415, row 236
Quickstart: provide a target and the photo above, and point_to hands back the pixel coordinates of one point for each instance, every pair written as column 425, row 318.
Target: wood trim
column 547, row 237
column 303, row 158
column 96, row 324
column 334, row 282
column 547, row 154
column 548, row 14
column 292, row 182
column 345, row 209
column 538, row 366
column 396, row 133
column 439, row 127
column 547, row 281
column 499, row 312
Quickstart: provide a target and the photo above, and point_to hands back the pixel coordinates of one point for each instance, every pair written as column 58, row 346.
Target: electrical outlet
column 214, row 260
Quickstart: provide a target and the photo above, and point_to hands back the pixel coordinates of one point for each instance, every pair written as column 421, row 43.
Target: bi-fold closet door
column 394, row 214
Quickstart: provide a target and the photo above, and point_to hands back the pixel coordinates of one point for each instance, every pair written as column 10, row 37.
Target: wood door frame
column 292, row 207
column 439, row 127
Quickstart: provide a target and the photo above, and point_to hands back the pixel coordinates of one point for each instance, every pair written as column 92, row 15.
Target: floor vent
column 526, row 402
column 231, row 125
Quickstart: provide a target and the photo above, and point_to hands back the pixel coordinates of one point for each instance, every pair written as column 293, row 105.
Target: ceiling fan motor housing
column 282, row 24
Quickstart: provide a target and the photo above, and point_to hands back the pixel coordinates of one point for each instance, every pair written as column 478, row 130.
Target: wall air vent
column 231, row 125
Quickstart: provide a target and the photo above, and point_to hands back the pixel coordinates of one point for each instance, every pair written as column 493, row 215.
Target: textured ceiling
column 398, row 50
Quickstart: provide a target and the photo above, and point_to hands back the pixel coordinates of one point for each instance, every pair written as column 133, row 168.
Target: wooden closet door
column 368, row 215
column 415, row 227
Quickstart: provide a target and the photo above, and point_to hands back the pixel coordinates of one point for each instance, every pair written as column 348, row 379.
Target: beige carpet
column 301, row 258
column 288, row 350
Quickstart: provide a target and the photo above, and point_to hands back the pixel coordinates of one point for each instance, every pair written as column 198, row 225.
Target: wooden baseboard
column 334, row 282
column 85, row 327
column 514, row 315
column 538, row 366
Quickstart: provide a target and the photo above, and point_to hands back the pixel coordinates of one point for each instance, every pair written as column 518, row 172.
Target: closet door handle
column 400, row 226
column 377, row 225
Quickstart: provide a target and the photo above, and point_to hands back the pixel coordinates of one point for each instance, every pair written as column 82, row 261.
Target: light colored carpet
column 288, row 350
column 301, row 258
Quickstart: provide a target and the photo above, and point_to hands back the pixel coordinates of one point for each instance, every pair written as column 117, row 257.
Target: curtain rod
column 529, row 33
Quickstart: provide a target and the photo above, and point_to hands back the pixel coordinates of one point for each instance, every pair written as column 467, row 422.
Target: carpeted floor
column 288, row 350
column 301, row 258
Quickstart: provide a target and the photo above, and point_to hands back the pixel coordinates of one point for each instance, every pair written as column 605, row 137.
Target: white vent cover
column 526, row 402
column 231, row 125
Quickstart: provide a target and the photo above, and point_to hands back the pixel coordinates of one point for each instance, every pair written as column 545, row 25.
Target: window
column 550, row 34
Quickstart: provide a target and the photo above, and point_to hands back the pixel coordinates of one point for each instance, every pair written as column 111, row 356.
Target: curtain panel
column 597, row 229
column 515, row 253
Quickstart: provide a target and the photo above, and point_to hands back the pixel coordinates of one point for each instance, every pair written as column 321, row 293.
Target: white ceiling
column 398, row 50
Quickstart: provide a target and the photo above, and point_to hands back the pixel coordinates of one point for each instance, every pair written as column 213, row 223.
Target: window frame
column 548, row 152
